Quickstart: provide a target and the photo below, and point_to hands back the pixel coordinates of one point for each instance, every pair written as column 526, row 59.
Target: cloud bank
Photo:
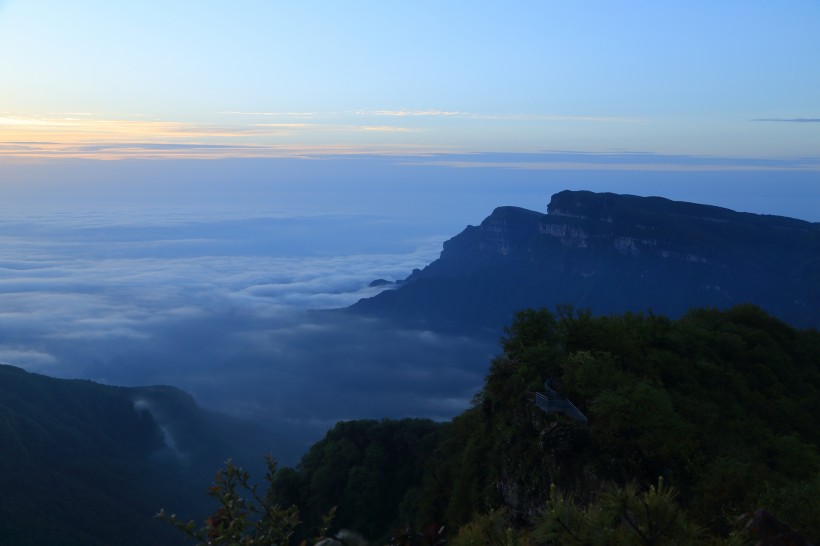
column 227, row 309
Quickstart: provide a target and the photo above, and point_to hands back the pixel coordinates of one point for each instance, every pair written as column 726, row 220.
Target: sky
column 185, row 185
column 213, row 79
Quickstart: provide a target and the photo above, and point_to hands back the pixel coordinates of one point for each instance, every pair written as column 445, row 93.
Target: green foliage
column 619, row 517
column 372, row 471
column 489, row 530
column 720, row 403
column 71, row 450
column 244, row 517
column 798, row 502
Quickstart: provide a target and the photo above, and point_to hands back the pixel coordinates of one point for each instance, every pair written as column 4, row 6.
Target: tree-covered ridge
column 720, row 405
column 71, row 451
column 371, row 471
column 90, row 464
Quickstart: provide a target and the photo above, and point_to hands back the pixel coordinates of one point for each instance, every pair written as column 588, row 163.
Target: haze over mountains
column 194, row 194
column 419, row 349
column 611, row 253
column 217, row 306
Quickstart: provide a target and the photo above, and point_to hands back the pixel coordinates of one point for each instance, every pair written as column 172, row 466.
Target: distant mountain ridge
column 612, row 253
column 91, row 464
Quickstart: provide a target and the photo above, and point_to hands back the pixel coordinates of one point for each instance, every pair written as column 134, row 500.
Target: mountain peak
column 613, row 253
column 609, row 206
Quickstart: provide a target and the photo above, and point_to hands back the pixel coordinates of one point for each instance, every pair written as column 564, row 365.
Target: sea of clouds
column 227, row 307
column 212, row 276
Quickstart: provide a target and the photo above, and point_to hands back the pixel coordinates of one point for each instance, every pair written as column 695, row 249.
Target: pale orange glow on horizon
column 89, row 136
column 82, row 136
column 79, row 130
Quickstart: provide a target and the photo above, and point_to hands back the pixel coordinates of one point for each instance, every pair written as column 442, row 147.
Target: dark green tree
column 245, row 515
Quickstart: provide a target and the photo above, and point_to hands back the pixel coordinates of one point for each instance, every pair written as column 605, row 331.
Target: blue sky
column 181, row 180
column 288, row 78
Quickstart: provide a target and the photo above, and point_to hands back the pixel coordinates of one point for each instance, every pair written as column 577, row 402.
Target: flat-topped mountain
column 612, row 253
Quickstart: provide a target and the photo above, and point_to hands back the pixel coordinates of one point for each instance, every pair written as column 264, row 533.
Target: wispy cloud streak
column 142, row 150
column 84, row 136
column 305, row 134
column 616, row 162
column 626, row 166
column 790, row 120
column 497, row 117
column 273, row 114
column 411, row 113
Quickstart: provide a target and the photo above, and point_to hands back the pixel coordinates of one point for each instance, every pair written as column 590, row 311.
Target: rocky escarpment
column 613, row 253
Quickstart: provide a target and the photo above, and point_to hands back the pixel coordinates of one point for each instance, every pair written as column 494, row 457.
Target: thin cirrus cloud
column 269, row 134
column 790, row 120
column 328, row 128
column 272, row 114
column 83, row 136
column 615, row 162
column 330, row 115
column 497, row 117
column 411, row 113
column 557, row 118
column 79, row 127
column 254, row 134
column 143, row 150
column 672, row 167
column 80, row 136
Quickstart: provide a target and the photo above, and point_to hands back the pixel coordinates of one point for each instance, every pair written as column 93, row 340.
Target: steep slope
column 612, row 253
column 84, row 463
column 720, row 404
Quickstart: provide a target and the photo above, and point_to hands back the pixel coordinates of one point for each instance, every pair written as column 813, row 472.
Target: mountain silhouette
column 85, row 463
column 610, row 254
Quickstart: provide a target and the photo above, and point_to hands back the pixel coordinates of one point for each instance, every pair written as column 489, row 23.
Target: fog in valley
column 221, row 291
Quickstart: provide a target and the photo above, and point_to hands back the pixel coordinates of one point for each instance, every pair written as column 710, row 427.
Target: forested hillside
column 89, row 464
column 371, row 471
column 721, row 405
column 691, row 423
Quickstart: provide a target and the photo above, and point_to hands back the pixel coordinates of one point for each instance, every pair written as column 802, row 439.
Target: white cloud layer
column 218, row 307
column 134, row 279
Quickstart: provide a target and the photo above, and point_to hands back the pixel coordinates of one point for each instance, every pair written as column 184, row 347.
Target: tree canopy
column 692, row 423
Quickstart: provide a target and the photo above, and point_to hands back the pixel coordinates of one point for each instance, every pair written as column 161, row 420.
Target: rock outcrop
column 612, row 253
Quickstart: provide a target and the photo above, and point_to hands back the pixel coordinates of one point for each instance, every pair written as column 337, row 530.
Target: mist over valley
column 389, row 247
column 221, row 297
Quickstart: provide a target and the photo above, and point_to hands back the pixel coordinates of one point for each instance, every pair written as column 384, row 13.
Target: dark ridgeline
column 612, row 253
column 84, row 463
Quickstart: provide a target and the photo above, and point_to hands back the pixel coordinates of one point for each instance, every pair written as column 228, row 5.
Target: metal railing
column 550, row 403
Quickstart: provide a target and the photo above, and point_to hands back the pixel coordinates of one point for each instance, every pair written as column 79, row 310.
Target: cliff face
column 613, row 253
